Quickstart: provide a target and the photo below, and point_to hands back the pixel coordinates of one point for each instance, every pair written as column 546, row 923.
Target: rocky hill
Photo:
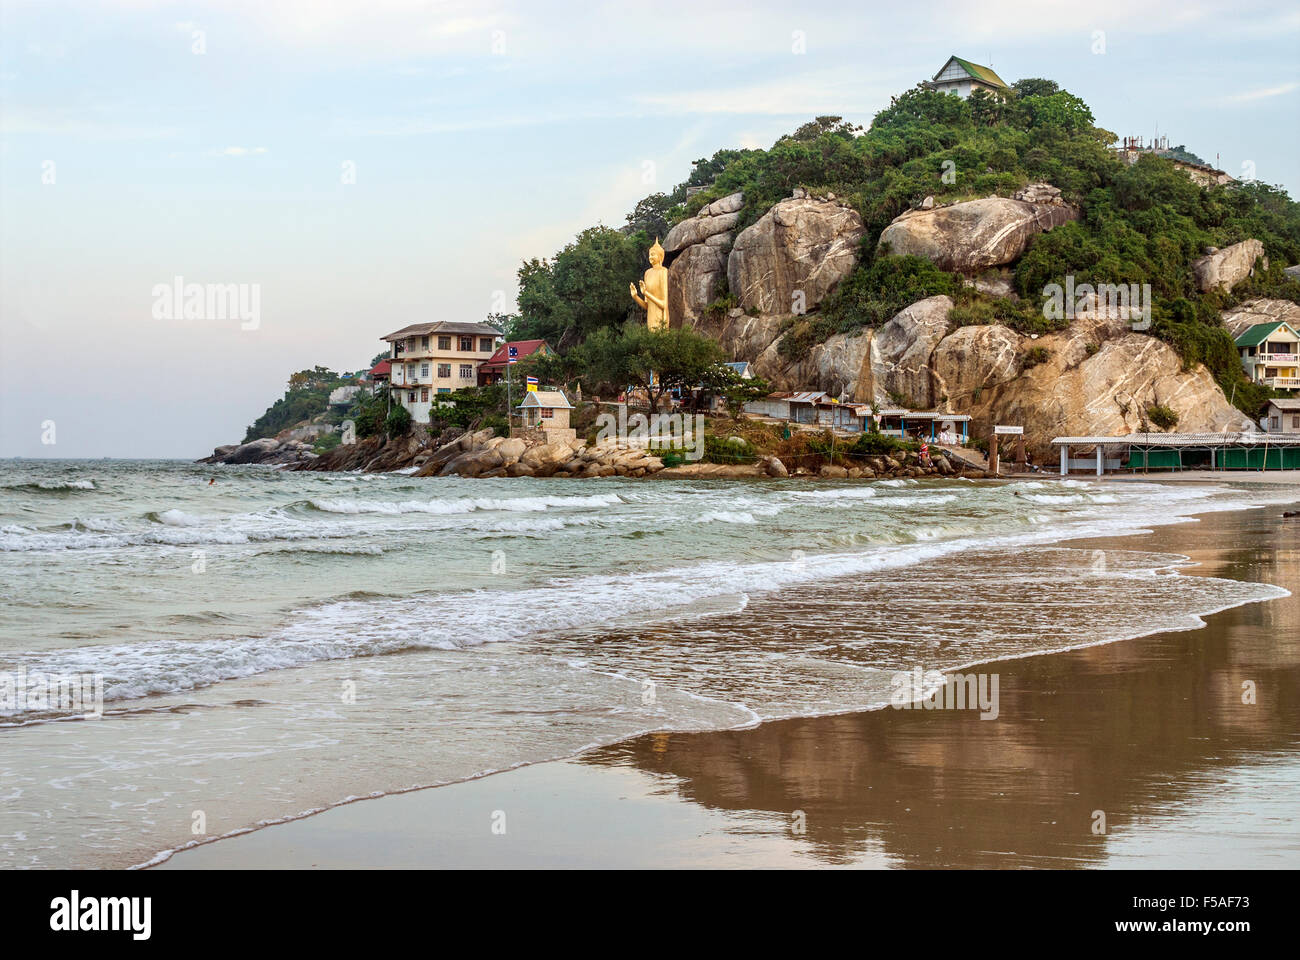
column 911, row 264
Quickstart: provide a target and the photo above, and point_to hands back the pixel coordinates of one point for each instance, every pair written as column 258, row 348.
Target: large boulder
column 900, row 354
column 971, row 359
column 835, row 366
column 798, row 245
column 973, row 236
column 717, row 218
column 511, row 450
column 1242, row 317
column 1098, row 378
column 1227, row 267
column 255, row 451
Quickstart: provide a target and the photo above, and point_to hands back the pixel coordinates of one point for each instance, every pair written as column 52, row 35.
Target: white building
column 963, row 78
column 433, row 358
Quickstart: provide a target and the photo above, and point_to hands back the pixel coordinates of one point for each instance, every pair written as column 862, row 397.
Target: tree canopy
column 654, row 360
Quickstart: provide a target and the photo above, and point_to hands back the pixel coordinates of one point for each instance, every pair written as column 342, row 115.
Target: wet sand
column 1151, row 733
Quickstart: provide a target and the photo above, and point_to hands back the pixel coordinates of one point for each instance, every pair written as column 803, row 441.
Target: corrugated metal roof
column 1183, row 440
column 1286, row 404
column 807, row 396
column 922, row 414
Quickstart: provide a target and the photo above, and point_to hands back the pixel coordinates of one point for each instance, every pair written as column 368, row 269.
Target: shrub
column 722, row 450
column 398, row 421
column 1161, row 416
column 326, row 442
column 1034, row 356
column 871, row 295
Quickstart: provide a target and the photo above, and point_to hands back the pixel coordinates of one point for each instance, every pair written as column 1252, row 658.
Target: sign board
column 1008, row 431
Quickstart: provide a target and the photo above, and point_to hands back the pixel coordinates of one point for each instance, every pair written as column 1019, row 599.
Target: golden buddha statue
column 654, row 290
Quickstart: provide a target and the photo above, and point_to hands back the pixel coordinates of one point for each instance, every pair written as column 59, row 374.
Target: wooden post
column 1020, row 451
column 993, row 453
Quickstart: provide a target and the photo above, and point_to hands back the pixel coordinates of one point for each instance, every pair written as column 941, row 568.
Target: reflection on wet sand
column 1133, row 729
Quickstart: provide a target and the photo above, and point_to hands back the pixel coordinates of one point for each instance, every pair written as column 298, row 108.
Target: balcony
column 1282, row 383
column 1276, row 358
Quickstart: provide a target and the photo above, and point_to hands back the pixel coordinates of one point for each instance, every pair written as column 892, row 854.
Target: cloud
column 1260, row 94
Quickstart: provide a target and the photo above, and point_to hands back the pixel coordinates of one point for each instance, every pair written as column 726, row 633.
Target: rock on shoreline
column 480, row 454
column 270, row 450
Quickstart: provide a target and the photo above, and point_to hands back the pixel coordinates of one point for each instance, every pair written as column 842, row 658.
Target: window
column 424, row 370
column 424, row 343
column 467, row 371
column 1273, row 422
column 444, row 343
column 444, row 371
column 547, row 413
column 411, row 396
column 1295, row 423
column 485, row 344
column 467, row 344
column 424, row 395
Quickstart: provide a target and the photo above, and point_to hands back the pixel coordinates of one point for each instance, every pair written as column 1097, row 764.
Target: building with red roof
column 493, row 370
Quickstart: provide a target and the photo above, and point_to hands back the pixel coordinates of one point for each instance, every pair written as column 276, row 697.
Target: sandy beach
column 1138, row 753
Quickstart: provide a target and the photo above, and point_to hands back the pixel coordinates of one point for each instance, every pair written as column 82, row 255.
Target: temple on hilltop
column 963, row 78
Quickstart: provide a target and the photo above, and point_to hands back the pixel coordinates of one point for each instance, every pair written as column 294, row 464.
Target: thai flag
column 532, row 381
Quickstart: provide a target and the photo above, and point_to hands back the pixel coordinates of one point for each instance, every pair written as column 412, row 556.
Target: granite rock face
column 1263, row 310
column 696, row 279
column 973, row 236
column 901, row 350
column 1227, row 267
column 794, row 255
column 718, row 217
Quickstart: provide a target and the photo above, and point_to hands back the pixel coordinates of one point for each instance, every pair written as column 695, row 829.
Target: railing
column 1276, row 357
column 1282, row 383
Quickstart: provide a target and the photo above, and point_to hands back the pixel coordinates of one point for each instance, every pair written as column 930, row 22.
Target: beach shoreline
column 641, row 797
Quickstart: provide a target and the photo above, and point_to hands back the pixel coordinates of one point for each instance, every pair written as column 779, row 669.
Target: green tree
column 740, row 391
column 650, row 215
column 1035, row 87
column 657, row 361
column 398, row 421
column 582, row 290
column 822, row 126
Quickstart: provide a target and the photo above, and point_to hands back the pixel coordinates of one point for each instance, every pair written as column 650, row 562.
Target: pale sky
column 479, row 134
